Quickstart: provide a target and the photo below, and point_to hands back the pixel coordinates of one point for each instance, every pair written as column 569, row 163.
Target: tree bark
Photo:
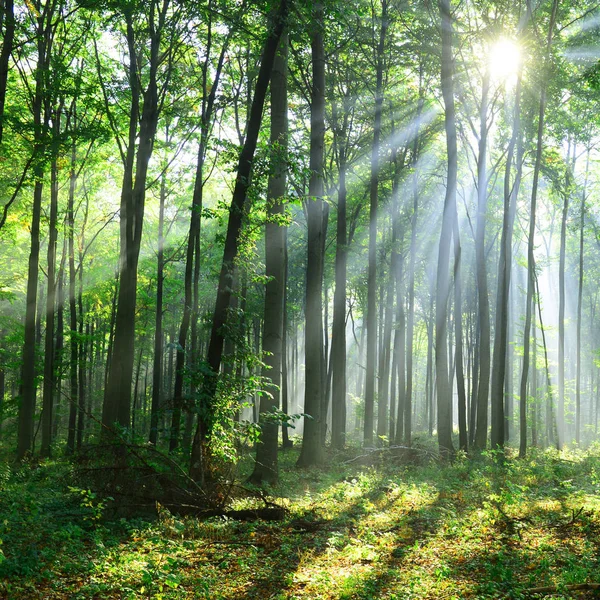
column 234, row 226
column 143, row 119
column 483, row 313
column 373, row 207
column 530, row 259
column 266, row 468
column 49, row 365
column 338, row 333
column 192, row 261
column 312, row 449
column 40, row 121
column 444, row 388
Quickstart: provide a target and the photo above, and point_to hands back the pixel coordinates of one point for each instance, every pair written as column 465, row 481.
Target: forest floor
column 475, row 529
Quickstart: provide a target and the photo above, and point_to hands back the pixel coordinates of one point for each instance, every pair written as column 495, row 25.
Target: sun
column 504, row 60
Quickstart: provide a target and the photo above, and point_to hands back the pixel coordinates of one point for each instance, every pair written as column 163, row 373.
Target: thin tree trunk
column 158, row 331
column 372, row 265
column 579, row 305
column 504, row 269
column 266, row 467
column 192, row 262
column 25, row 437
column 215, row 348
column 338, row 333
column 530, row 251
column 444, row 388
column 49, row 365
column 411, row 271
column 143, row 119
column 483, row 314
column 73, row 341
column 7, row 48
column 312, row 451
column 458, row 335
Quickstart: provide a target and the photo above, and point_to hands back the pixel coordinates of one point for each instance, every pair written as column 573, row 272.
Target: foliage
column 479, row 528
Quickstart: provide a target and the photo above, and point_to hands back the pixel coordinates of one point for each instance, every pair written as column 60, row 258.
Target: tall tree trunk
column 73, row 341
column 530, row 252
column 312, row 450
column 158, row 330
column 400, row 349
column 266, row 468
column 192, row 261
column 40, row 121
column 338, row 333
column 144, row 112
column 504, row 269
column 7, row 48
column 383, row 418
column 411, row 271
column 444, row 388
column 373, row 206
column 234, row 226
column 49, row 364
column 560, row 420
column 458, row 335
column 483, row 313
column 60, row 343
column 580, row 304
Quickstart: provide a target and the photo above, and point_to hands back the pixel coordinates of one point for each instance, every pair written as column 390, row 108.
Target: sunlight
column 504, row 60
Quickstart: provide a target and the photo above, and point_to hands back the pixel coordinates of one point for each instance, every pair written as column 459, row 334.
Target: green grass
column 476, row 529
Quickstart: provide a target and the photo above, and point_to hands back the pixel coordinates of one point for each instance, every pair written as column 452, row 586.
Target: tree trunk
column 338, row 333
column 373, row 207
column 192, row 261
column 483, row 314
column 560, row 421
column 234, row 226
column 530, row 255
column 411, row 271
column 73, row 341
column 158, row 330
column 458, row 335
column 144, row 111
column 25, row 437
column 49, row 365
column 265, row 467
column 444, row 388
column 579, row 305
column 312, row 450
column 7, row 47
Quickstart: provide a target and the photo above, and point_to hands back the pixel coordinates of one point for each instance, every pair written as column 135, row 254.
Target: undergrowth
column 479, row 528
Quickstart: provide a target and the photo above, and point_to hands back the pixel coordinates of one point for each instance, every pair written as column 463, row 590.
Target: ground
column 478, row 528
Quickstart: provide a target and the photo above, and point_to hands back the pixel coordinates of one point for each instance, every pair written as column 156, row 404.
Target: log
column 554, row 589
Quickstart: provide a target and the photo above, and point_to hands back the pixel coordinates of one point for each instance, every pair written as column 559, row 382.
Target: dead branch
column 553, row 589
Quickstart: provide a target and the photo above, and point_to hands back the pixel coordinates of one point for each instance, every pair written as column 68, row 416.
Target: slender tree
column 198, row 467
column 265, row 468
column 312, row 449
column 444, row 388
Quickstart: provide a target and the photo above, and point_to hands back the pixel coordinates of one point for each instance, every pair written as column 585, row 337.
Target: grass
column 475, row 529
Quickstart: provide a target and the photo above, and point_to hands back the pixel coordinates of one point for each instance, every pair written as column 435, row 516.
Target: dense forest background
column 232, row 227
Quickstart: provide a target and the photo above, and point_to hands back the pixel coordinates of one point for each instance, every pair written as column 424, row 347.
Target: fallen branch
column 553, row 589
column 574, row 518
column 373, row 451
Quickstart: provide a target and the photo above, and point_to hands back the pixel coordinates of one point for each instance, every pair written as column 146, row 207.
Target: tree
column 444, row 388
column 144, row 111
column 265, row 468
column 373, row 203
column 312, row 451
column 198, row 466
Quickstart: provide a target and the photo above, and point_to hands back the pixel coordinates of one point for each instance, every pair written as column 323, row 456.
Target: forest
column 298, row 299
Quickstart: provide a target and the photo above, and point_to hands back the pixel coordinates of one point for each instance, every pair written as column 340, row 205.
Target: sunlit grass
column 475, row 529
